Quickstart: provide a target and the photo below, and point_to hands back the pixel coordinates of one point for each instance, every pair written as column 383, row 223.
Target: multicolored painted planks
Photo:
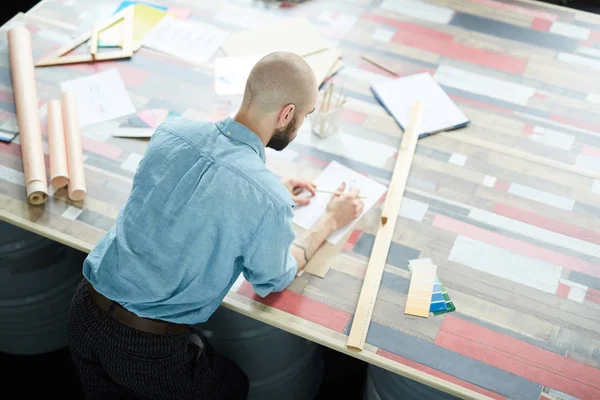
column 522, row 359
column 507, row 209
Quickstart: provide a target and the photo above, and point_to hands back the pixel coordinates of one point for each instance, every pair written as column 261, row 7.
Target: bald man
column 203, row 209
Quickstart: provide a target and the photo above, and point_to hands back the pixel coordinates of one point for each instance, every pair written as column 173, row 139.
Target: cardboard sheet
column 323, row 259
column 324, row 63
column 232, row 72
column 296, row 35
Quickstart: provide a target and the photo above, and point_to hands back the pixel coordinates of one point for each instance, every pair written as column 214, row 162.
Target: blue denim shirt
column 203, row 209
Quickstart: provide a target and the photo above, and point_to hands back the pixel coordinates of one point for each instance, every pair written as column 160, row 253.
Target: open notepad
column 330, row 179
column 440, row 112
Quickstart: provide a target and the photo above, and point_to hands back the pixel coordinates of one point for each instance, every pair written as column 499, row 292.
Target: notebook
column 440, row 112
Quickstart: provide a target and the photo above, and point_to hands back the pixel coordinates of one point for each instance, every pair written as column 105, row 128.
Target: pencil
column 329, row 93
column 379, row 64
column 337, row 193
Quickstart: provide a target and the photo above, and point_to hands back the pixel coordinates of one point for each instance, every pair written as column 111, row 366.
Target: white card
column 99, row 97
column 330, row 179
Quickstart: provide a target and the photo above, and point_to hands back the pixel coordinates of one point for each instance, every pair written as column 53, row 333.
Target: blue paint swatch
column 438, row 303
column 125, row 4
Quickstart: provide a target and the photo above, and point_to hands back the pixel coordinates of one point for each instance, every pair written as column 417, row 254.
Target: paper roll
column 59, row 170
column 28, row 114
column 77, row 187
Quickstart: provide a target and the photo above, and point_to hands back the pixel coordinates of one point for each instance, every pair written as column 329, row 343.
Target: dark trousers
column 115, row 361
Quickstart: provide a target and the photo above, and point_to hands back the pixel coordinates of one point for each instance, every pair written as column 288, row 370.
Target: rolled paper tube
column 28, row 114
column 59, row 170
column 77, row 187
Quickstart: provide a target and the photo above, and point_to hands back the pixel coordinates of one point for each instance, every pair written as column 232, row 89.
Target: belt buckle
column 196, row 339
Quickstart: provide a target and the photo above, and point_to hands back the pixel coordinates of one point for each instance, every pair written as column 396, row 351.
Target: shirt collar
column 235, row 130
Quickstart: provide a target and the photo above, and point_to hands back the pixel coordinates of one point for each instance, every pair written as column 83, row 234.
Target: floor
column 43, row 376
column 53, row 375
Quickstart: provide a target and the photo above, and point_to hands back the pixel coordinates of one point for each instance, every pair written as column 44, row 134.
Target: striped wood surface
column 507, row 208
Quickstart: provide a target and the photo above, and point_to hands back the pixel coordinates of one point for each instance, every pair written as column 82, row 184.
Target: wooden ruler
column 383, row 239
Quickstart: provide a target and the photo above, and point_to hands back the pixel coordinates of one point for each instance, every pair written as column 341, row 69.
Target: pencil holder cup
column 325, row 124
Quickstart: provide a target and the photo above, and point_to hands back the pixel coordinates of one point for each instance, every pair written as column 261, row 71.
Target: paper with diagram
column 191, row 41
column 330, row 179
column 231, row 74
column 99, row 97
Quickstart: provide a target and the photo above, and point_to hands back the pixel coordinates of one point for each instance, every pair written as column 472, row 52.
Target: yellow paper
column 144, row 19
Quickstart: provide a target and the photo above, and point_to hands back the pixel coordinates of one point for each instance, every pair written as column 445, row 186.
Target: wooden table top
column 508, row 208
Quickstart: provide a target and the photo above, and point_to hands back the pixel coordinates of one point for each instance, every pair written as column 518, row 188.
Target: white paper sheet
column 100, row 97
column 330, row 179
column 398, row 96
column 188, row 40
column 231, row 74
column 127, row 132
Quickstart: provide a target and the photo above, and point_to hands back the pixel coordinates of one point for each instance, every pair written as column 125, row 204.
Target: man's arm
column 305, row 246
column 340, row 211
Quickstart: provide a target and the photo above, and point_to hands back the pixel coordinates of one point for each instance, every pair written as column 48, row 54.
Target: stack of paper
column 295, row 35
column 145, row 17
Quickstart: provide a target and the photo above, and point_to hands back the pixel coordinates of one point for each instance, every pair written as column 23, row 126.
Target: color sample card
column 441, row 302
column 438, row 303
column 420, row 290
column 449, row 304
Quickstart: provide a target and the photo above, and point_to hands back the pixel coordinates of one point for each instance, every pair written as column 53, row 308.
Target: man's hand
column 345, row 208
column 341, row 210
column 296, row 186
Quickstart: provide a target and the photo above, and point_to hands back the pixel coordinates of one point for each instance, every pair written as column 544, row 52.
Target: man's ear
column 286, row 115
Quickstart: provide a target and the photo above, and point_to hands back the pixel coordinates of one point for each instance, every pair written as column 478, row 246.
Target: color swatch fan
column 440, row 302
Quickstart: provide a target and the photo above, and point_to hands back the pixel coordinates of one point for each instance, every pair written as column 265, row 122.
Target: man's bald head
column 281, row 91
column 279, row 79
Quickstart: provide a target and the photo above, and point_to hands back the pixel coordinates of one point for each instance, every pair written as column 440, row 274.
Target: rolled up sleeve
column 268, row 264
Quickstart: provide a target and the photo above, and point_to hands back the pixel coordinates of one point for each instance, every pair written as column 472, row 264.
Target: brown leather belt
column 133, row 321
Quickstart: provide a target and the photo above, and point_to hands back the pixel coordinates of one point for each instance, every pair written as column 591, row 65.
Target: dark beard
column 282, row 137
